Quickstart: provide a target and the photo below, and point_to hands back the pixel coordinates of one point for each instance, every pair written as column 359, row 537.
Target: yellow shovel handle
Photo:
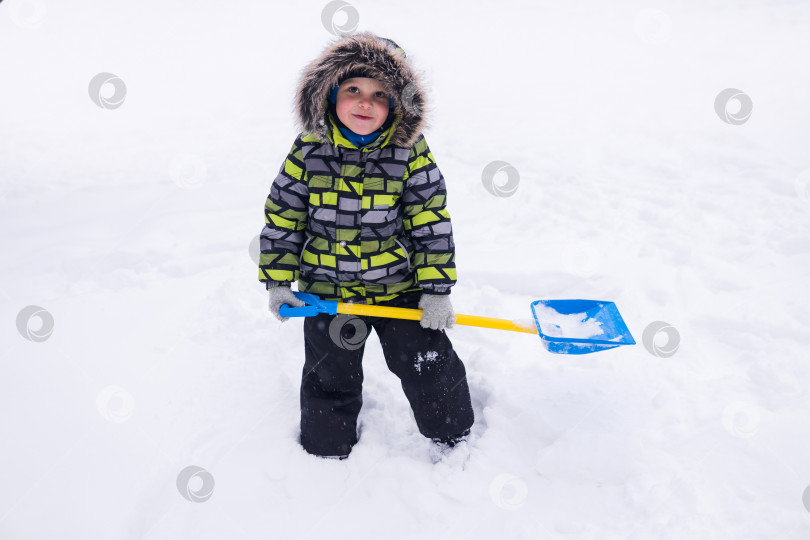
column 416, row 315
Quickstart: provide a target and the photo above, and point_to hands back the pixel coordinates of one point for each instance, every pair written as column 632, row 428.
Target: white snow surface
column 133, row 228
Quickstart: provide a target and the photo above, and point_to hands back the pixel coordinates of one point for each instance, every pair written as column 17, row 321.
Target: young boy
column 357, row 214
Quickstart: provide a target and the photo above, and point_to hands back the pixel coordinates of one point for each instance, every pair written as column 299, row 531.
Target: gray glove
column 437, row 311
column 282, row 295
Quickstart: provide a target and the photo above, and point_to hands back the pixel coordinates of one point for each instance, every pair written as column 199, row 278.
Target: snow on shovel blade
column 580, row 326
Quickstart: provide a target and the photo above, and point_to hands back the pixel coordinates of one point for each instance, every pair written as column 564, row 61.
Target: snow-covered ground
column 132, row 228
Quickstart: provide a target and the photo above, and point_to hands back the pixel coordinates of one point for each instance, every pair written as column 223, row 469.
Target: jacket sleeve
column 285, row 220
column 427, row 222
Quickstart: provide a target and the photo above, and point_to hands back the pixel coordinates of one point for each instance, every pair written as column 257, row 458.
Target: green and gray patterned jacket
column 359, row 224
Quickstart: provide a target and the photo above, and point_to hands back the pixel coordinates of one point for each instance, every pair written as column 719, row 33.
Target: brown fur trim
column 383, row 62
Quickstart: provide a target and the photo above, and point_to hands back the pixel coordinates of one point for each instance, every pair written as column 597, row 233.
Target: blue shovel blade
column 580, row 326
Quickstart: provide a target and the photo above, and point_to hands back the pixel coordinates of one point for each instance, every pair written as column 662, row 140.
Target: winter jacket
column 359, row 224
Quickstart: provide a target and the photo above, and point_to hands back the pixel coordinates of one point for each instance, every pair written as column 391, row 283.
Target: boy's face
column 362, row 104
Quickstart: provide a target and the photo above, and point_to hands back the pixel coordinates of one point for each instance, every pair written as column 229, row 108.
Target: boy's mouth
column 361, row 117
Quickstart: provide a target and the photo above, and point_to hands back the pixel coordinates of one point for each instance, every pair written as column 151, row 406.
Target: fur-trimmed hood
column 383, row 60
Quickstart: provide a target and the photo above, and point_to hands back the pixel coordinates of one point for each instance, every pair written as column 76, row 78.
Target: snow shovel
column 564, row 326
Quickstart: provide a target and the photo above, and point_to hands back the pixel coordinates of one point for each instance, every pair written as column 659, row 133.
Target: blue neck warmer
column 357, row 139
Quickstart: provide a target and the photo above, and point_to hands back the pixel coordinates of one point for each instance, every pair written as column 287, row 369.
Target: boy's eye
column 354, row 89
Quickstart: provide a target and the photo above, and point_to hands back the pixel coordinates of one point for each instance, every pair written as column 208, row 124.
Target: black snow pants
column 432, row 376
